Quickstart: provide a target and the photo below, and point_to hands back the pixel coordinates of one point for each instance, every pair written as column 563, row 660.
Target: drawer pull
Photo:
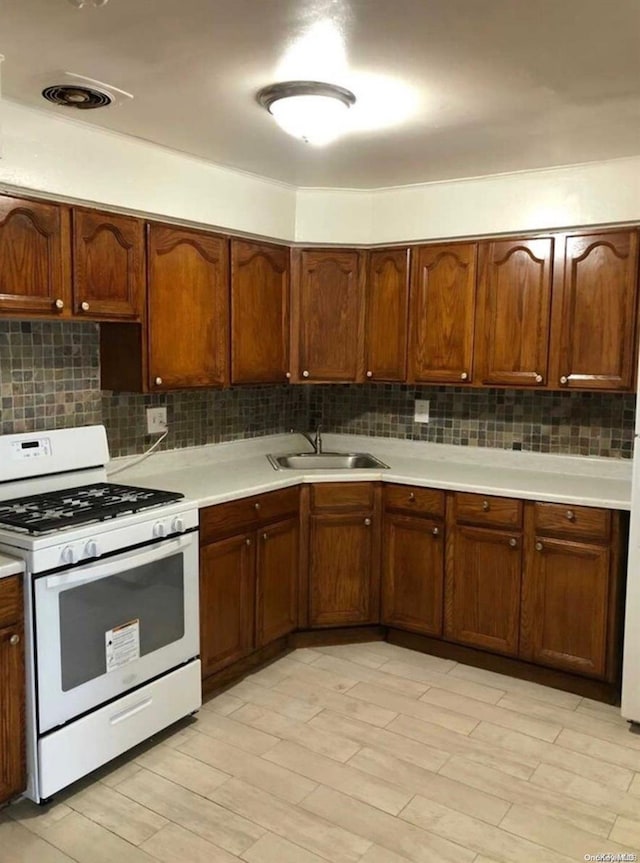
column 564, row 379
column 84, row 306
column 158, row 382
column 538, row 378
column 265, row 536
column 247, row 541
column 436, row 531
column 369, row 374
column 367, row 522
column 539, row 546
column 571, row 515
column 412, row 497
column 287, row 375
column 305, row 374
column 513, row 542
column 15, row 639
column 464, row 376
column 486, row 506
column 59, row 304
column 256, row 506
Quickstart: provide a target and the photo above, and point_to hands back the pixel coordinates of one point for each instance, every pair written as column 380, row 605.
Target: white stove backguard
column 29, row 455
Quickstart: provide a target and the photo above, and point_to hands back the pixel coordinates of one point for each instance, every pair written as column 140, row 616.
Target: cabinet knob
column 84, row 306
column 247, row 541
column 59, row 304
column 436, row 531
column 513, row 542
column 287, row 375
column 256, row 506
column 538, row 379
column 15, row 639
column 367, row 522
column 464, row 376
column 539, row 546
column 486, row 506
column 265, row 536
column 305, row 374
column 571, row 515
column 564, row 379
column 412, row 496
column 158, row 382
column 369, row 374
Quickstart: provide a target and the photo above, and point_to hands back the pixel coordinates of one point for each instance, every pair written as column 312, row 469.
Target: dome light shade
column 309, row 110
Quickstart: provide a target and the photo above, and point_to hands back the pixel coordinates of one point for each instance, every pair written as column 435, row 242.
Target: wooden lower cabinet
column 12, row 690
column 227, row 601
column 482, row 593
column 413, row 573
column 277, row 581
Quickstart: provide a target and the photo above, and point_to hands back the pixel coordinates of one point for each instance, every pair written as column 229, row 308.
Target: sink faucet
column 315, row 440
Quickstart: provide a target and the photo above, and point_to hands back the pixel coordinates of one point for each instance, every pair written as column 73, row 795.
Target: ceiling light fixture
column 310, row 110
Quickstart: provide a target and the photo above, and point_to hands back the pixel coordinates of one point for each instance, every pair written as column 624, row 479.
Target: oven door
column 105, row 628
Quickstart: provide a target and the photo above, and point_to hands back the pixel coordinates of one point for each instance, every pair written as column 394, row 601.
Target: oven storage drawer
column 84, row 745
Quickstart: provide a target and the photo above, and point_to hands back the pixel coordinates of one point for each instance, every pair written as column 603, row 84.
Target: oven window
column 152, row 594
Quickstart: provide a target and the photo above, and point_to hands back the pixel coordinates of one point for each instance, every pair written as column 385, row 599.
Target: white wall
column 49, row 153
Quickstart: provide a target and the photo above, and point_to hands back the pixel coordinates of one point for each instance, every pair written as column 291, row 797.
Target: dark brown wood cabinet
column 442, row 310
column 249, row 575
column 188, row 308
column 35, row 258
column 259, row 313
column 344, row 554
column 513, row 315
column 108, row 265
column 328, row 315
column 571, row 588
column 387, row 309
column 594, row 320
column 13, row 778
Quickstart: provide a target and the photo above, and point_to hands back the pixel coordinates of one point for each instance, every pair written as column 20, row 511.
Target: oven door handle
column 96, row 571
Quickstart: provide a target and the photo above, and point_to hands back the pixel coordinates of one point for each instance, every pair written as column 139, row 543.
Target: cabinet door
column 188, row 308
column 565, row 605
column 387, row 309
column 277, row 608
column 328, row 315
column 344, row 570
column 259, row 313
column 227, row 601
column 595, row 314
column 35, row 276
column 442, row 310
column 513, row 314
column 482, row 593
column 108, row 265
column 413, row 573
column 12, row 713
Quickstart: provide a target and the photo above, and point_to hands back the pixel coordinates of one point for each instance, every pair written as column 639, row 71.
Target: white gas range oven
column 111, row 603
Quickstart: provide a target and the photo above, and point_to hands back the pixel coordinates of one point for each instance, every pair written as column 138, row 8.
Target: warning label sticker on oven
column 122, row 644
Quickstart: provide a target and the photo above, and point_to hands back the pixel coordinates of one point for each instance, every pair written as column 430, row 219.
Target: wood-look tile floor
column 365, row 753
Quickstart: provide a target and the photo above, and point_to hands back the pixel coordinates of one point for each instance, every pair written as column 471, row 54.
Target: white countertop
column 10, row 566
column 220, row 472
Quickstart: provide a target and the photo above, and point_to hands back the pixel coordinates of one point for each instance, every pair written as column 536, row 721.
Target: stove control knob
column 158, row 530
column 177, row 526
column 68, row 554
column 91, row 549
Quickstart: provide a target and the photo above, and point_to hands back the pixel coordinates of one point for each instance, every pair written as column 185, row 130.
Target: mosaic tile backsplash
column 50, row 378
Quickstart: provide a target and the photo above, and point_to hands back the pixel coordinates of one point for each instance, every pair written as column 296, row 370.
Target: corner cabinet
column 387, row 314
column 35, row 258
column 259, row 313
column 328, row 315
column 13, row 778
column 442, row 308
column 594, row 329
column 188, row 308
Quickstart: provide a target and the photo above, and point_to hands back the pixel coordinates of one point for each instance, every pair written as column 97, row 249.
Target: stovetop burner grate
column 70, row 507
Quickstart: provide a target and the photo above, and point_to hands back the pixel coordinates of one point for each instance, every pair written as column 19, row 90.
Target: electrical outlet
column 156, row 420
column 421, row 414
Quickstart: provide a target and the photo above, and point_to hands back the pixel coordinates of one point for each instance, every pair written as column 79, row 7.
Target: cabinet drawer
column 342, row 496
column 411, row 499
column 580, row 522
column 484, row 510
column 10, row 600
column 246, row 513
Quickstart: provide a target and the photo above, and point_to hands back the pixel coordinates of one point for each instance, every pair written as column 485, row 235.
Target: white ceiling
column 474, row 86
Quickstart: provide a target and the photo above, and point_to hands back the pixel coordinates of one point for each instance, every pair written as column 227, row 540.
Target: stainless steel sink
column 325, row 461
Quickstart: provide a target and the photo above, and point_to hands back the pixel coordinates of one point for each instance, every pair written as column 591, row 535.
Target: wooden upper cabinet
column 259, row 313
column 442, row 311
column 108, row 265
column 188, row 308
column 35, row 276
column 387, row 307
column 328, row 315
column 594, row 330
column 513, row 314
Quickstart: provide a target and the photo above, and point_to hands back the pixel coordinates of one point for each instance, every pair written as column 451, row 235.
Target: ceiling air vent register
column 80, row 97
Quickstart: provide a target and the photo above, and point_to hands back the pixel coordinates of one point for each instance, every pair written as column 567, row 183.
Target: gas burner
column 76, row 506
